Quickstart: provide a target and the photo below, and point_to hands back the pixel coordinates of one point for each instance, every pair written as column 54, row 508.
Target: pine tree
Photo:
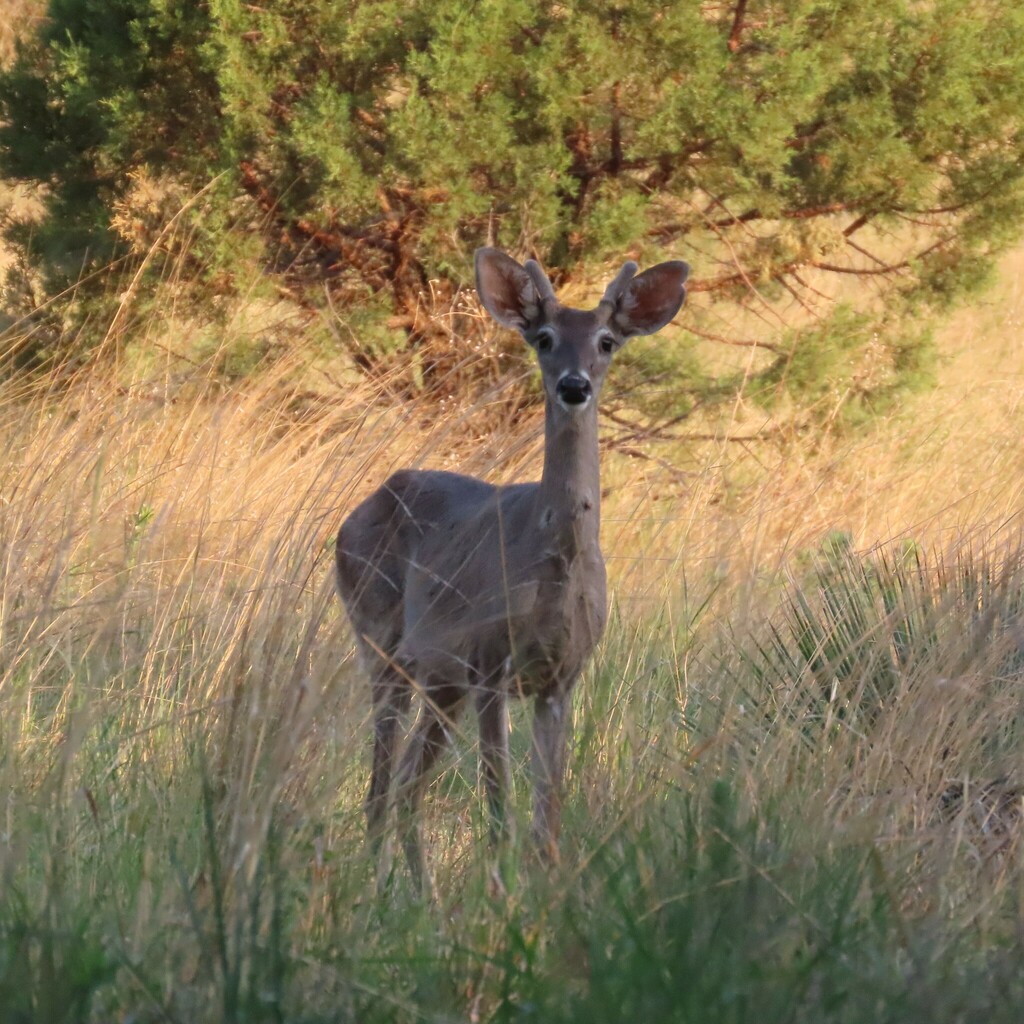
column 376, row 143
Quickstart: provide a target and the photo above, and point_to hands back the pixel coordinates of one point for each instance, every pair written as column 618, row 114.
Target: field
column 795, row 788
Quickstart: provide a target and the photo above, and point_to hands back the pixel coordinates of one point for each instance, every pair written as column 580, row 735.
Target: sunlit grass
column 794, row 792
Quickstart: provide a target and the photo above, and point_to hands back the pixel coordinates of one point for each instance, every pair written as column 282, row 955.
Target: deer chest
column 555, row 642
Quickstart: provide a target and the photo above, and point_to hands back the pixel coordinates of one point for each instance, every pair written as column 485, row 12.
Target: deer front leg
column 426, row 744
column 550, row 725
column 492, row 712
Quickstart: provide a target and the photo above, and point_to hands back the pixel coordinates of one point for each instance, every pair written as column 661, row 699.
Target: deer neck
column 569, row 497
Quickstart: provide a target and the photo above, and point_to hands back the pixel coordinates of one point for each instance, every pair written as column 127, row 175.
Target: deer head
column 575, row 347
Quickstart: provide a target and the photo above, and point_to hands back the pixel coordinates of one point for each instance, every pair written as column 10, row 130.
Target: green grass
column 722, row 863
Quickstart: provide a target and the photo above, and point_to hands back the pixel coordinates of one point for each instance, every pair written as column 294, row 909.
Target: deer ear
column 651, row 299
column 506, row 290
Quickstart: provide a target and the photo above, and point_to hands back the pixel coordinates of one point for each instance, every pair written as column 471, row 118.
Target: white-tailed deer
column 460, row 589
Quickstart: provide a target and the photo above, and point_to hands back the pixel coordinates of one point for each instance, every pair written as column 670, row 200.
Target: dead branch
column 737, row 342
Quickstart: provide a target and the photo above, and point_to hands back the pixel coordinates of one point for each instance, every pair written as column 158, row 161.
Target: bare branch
column 807, row 213
column 834, row 268
column 738, row 342
column 657, row 434
column 857, row 224
column 864, row 252
column 809, row 287
column 889, row 268
column 797, row 298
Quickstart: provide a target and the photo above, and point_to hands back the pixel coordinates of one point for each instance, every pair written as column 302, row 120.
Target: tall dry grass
column 797, row 770
column 20, row 19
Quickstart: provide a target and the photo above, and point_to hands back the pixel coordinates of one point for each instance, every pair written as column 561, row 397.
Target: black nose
column 574, row 389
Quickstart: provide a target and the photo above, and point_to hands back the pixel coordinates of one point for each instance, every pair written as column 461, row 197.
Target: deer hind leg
column 550, row 727
column 441, row 705
column 391, row 696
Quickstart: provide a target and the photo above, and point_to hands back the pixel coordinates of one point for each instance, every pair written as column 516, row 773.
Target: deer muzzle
column 574, row 390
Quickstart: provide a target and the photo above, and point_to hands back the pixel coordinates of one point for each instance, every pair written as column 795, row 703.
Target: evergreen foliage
column 373, row 145
column 105, row 90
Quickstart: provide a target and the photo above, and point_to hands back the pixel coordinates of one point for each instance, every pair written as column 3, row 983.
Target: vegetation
column 795, row 787
column 785, row 149
column 236, row 301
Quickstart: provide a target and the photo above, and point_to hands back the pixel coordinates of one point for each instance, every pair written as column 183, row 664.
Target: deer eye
column 607, row 344
column 544, row 341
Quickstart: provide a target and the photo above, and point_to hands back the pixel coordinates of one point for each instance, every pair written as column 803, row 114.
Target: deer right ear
column 650, row 301
column 506, row 290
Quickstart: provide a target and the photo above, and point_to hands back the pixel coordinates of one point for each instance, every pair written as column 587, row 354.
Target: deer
column 463, row 591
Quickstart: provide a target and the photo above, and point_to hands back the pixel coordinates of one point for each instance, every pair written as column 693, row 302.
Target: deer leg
column 492, row 713
column 426, row 744
column 391, row 696
column 550, row 725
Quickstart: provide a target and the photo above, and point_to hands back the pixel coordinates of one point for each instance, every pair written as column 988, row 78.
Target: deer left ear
column 651, row 299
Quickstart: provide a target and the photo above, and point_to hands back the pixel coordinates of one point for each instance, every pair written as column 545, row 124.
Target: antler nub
column 540, row 281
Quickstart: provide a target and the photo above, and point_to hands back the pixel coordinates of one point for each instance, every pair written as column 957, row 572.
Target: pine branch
column 737, row 26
